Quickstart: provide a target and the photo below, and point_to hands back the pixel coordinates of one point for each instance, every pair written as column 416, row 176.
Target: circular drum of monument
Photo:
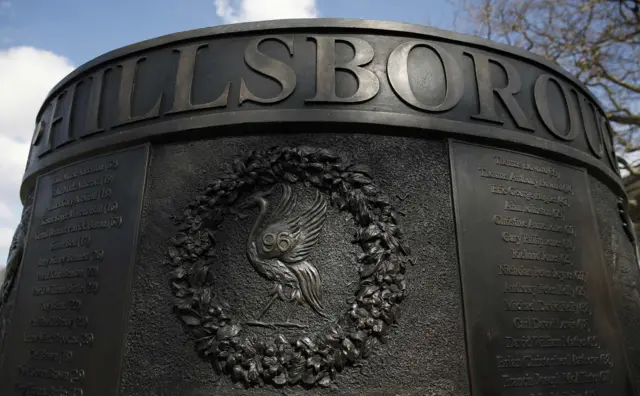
column 321, row 207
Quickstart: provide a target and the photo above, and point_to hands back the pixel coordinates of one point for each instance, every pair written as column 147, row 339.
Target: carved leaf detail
column 191, row 320
column 314, row 359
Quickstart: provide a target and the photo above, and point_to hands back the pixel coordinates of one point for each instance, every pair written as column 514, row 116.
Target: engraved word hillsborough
column 321, row 207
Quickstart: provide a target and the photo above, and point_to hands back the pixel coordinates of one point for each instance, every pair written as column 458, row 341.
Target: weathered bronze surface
column 321, row 207
column 73, row 289
column 537, row 304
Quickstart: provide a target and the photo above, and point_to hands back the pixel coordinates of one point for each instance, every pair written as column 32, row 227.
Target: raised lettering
column 92, row 125
column 66, row 135
column 506, row 94
column 279, row 71
column 398, row 73
column 44, row 129
column 368, row 83
column 184, row 83
column 541, row 99
column 607, row 138
column 125, row 94
column 546, row 290
column 32, row 389
column 591, row 128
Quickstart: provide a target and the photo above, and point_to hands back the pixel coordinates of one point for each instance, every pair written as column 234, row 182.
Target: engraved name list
column 68, row 332
column 535, row 303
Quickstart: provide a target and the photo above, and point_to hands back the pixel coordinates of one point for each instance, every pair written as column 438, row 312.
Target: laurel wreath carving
column 368, row 316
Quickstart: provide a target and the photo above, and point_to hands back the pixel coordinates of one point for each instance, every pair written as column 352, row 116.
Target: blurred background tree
column 596, row 40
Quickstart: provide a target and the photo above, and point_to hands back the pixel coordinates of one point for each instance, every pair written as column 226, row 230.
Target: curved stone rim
column 263, row 27
column 408, row 125
column 198, row 125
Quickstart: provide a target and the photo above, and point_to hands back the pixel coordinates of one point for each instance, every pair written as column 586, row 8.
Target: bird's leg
column 275, row 293
column 296, row 296
column 291, row 313
column 280, row 292
column 266, row 307
column 296, row 300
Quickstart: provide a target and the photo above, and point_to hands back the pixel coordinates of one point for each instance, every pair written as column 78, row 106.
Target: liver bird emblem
column 279, row 252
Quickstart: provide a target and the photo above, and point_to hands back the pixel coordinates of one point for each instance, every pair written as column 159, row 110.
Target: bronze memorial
column 321, row 207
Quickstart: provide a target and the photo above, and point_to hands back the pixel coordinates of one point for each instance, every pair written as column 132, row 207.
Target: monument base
column 321, row 207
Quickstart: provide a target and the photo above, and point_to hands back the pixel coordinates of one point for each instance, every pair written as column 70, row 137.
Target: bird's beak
column 268, row 192
column 250, row 201
column 265, row 193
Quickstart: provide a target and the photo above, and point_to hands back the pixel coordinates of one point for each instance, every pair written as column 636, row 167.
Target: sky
column 43, row 41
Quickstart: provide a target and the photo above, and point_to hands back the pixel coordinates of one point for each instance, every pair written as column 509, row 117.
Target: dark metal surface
column 323, row 71
column 297, row 231
column 13, row 265
column 538, row 309
column 392, row 329
column 67, row 328
column 280, row 247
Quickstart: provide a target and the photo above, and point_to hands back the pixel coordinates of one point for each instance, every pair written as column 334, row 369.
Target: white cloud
column 26, row 76
column 234, row 11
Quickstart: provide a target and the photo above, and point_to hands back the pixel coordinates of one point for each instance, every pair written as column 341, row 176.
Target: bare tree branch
column 626, row 120
column 605, row 74
column 625, row 164
column 596, row 40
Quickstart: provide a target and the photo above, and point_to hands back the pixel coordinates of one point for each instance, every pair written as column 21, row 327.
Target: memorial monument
column 315, row 207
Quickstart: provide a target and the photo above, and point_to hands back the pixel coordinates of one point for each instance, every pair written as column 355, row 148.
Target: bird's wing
column 309, row 225
column 286, row 205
